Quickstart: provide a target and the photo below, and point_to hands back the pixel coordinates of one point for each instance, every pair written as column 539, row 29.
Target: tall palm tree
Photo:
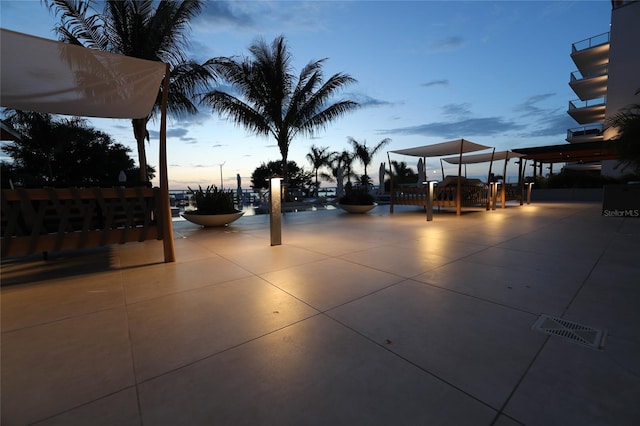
column 146, row 29
column 272, row 100
column 345, row 160
column 318, row 157
column 364, row 153
column 627, row 122
column 401, row 172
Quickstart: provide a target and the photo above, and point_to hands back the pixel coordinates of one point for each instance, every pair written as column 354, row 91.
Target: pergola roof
column 443, row 148
column 482, row 158
column 47, row 76
column 571, row 152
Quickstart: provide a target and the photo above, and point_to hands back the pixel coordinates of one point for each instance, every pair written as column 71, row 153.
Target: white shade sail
column 442, row 148
column 483, row 158
column 47, row 76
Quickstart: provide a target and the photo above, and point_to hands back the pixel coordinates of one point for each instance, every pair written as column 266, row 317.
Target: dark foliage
column 356, row 195
column 213, row 200
column 62, row 152
column 298, row 177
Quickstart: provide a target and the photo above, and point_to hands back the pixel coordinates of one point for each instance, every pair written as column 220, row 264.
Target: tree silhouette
column 62, row 151
column 318, row 157
column 365, row 153
column 135, row 28
column 272, row 100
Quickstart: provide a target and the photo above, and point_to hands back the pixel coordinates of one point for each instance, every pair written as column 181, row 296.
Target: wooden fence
column 53, row 219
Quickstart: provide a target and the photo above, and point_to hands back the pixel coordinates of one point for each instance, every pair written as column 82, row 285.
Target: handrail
column 590, row 42
column 588, row 130
column 575, row 104
column 593, row 72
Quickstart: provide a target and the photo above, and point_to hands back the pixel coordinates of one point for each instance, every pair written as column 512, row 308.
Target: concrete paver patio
column 354, row 319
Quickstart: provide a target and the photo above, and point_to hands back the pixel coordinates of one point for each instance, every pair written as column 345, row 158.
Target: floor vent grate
column 572, row 331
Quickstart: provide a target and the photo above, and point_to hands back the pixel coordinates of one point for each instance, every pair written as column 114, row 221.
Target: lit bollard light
column 275, row 212
column 529, row 188
column 430, row 189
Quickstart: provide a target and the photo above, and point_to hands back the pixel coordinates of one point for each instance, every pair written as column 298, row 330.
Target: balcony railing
column 591, row 73
column 590, row 42
column 575, row 104
column 585, row 131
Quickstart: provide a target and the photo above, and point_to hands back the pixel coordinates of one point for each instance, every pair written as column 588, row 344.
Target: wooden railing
column 445, row 196
column 52, row 219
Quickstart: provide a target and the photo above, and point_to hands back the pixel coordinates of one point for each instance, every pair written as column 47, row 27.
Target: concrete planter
column 212, row 219
column 357, row 208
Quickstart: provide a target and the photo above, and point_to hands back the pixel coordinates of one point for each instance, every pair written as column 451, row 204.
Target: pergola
column 47, row 76
column 582, row 152
column 458, row 146
column 490, row 157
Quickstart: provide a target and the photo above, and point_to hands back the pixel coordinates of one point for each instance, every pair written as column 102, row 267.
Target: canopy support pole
column 391, row 193
column 503, row 193
column 442, row 168
column 521, row 180
column 490, row 183
column 459, row 189
column 167, row 224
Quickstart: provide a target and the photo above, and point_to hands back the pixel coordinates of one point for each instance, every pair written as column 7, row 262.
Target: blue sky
column 495, row 73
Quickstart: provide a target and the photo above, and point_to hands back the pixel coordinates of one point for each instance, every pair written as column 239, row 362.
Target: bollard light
column 275, row 212
column 430, row 189
column 529, row 188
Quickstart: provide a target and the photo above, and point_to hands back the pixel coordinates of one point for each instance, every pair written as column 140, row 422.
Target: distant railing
column 597, row 71
column 575, row 104
column 590, row 42
column 446, row 196
column 55, row 219
column 589, row 130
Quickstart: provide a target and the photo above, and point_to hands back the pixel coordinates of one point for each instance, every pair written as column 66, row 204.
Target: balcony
column 586, row 112
column 589, row 133
column 591, row 83
column 591, row 52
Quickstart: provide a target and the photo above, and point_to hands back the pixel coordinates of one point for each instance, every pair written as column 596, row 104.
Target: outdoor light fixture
column 430, row 189
column 529, row 187
column 275, row 219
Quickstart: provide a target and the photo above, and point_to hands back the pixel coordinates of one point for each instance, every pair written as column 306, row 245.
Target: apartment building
column 607, row 78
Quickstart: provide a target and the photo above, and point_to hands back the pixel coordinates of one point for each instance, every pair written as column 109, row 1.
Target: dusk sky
column 495, row 73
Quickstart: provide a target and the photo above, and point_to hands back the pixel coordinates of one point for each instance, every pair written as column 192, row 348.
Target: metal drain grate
column 574, row 332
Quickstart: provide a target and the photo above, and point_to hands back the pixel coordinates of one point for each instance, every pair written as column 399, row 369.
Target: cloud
column 458, row 110
column 173, row 132
column 366, row 100
column 528, row 106
column 463, row 128
column 446, row 45
column 435, row 83
column 263, row 16
column 545, row 122
column 225, row 13
column 554, row 124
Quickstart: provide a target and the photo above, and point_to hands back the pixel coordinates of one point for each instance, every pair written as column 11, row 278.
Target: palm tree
column 627, row 122
column 134, row 28
column 318, row 157
column 365, row 153
column 272, row 101
column 401, row 173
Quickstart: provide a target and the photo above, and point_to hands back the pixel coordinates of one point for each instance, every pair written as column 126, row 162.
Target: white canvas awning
column 443, row 148
column 47, row 76
column 483, row 158
column 458, row 146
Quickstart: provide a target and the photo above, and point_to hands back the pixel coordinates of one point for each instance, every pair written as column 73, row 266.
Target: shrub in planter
column 213, row 201
column 358, row 195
